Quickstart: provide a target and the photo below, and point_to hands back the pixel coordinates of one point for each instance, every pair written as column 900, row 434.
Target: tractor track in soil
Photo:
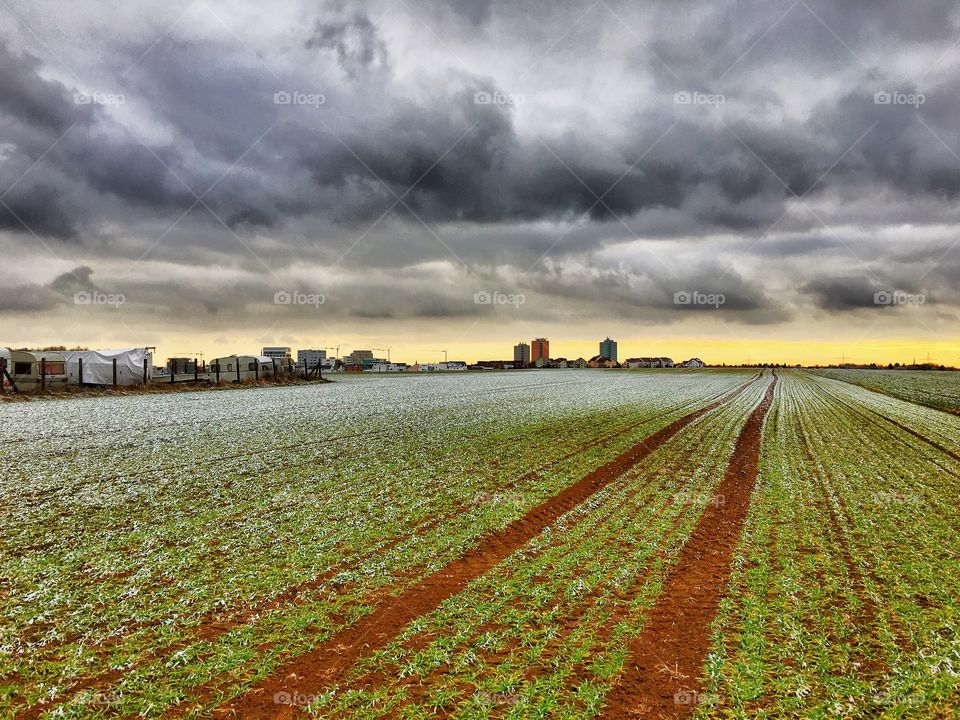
column 662, row 676
column 328, row 662
column 218, row 624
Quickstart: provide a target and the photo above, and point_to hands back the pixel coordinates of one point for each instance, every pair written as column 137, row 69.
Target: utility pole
column 336, row 356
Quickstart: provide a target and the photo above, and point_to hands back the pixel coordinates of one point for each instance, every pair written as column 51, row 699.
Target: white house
column 382, row 367
column 452, row 365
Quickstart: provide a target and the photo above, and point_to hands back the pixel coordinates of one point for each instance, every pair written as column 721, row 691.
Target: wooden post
column 3, row 372
column 319, row 370
column 217, row 372
column 144, row 371
column 6, row 372
column 80, row 371
column 114, row 372
column 238, row 368
column 196, row 370
column 43, row 373
column 274, row 364
column 256, row 369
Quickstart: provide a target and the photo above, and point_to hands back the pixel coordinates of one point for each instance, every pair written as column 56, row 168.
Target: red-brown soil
column 662, row 674
column 329, row 661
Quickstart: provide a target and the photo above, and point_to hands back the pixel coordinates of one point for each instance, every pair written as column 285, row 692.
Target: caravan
column 32, row 370
column 237, row 368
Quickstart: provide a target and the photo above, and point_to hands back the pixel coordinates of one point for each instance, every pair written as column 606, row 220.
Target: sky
column 763, row 181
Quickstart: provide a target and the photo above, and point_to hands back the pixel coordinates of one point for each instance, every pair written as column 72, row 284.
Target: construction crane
column 444, row 354
column 387, row 350
column 189, row 354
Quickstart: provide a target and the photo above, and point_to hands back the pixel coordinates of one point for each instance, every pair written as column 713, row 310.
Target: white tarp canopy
column 98, row 366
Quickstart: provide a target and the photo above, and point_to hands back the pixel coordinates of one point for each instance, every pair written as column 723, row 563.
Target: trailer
column 237, row 368
column 34, row 369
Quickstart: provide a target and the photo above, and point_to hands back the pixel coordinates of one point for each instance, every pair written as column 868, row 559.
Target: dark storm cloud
column 355, row 40
column 842, row 293
column 593, row 129
column 38, row 208
column 28, row 98
column 35, row 297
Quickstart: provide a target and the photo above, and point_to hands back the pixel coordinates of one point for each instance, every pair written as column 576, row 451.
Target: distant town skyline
column 732, row 353
column 724, row 180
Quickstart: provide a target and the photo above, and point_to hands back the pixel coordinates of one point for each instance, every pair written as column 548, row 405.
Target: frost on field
column 127, row 520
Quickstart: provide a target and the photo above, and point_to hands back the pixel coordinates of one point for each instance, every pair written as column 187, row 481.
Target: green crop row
column 120, row 556
column 544, row 632
column 934, row 388
column 843, row 601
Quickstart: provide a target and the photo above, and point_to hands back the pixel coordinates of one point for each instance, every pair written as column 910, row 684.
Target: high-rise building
column 539, row 348
column 521, row 354
column 310, row 358
column 361, row 357
column 608, row 348
column 277, row 352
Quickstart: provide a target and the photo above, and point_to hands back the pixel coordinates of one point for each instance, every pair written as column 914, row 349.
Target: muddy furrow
column 662, row 676
column 329, row 661
column 219, row 623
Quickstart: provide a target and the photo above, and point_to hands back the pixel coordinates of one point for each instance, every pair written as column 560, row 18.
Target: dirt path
column 662, row 674
column 327, row 663
column 217, row 624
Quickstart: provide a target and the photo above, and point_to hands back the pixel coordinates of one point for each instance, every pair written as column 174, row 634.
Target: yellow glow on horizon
column 713, row 351
column 424, row 342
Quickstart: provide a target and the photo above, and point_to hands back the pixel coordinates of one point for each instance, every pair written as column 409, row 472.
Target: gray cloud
column 509, row 188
